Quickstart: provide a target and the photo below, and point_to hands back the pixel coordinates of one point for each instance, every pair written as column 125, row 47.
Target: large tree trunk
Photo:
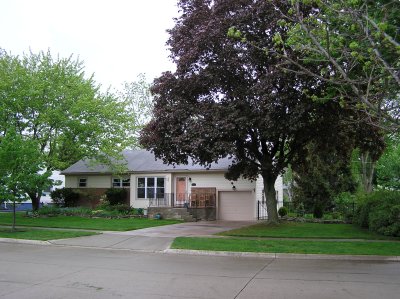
column 35, row 200
column 270, row 197
column 367, row 171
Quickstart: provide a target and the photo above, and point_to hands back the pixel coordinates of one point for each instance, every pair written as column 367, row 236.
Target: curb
column 286, row 255
column 23, row 241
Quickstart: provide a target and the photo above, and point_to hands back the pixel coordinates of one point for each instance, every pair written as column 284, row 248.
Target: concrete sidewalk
column 153, row 239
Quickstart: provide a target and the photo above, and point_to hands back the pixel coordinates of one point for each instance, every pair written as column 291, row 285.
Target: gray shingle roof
column 144, row 161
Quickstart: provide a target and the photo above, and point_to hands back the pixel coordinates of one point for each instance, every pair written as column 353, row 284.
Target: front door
column 181, row 190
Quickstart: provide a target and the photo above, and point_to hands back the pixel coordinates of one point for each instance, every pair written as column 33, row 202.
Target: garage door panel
column 236, row 205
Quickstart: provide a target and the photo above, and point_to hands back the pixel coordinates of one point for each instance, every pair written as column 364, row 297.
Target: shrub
column 65, row 197
column 116, row 196
column 380, row 212
column 318, row 211
column 48, row 211
column 283, row 211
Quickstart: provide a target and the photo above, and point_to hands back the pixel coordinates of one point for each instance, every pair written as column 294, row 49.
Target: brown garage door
column 236, row 205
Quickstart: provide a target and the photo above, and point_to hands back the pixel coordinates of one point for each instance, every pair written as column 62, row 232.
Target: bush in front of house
column 380, row 212
column 65, row 197
column 283, row 211
column 116, row 196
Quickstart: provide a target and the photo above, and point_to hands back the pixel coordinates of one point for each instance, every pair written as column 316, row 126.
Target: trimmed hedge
column 65, row 197
column 380, row 212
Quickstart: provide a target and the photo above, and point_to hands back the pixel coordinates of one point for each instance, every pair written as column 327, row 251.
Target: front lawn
column 288, row 246
column 42, row 234
column 122, row 224
column 305, row 230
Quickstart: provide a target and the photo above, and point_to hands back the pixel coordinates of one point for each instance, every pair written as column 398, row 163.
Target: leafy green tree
column 52, row 102
column 388, row 166
column 353, row 46
column 227, row 99
column 137, row 98
column 20, row 163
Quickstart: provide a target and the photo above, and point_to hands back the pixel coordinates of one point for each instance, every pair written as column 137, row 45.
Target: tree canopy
column 228, row 98
column 52, row 102
column 355, row 46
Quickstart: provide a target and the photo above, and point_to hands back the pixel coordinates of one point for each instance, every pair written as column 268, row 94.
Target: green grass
column 123, row 224
column 41, row 234
column 305, row 230
column 289, row 246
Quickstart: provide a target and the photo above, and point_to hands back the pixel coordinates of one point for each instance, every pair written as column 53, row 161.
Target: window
column 82, row 182
column 121, row 182
column 150, row 187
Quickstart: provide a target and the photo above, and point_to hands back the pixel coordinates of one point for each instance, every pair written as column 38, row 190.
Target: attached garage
column 236, row 205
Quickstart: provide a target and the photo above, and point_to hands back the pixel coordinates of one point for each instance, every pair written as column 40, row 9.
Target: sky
column 116, row 40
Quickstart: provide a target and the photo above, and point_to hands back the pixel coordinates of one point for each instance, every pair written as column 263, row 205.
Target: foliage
column 51, row 102
column 379, row 211
column 354, row 45
column 50, row 211
column 138, row 101
column 327, row 171
column 344, row 204
column 116, row 196
column 20, row 165
column 283, row 211
column 227, row 99
column 388, row 166
column 65, row 197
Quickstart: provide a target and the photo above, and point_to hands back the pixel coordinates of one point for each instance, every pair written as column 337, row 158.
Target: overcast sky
column 116, row 39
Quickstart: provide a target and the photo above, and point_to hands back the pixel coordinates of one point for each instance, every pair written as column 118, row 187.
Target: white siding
column 93, row 181
column 217, row 180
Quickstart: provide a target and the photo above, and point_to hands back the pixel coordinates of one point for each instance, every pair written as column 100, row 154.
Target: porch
column 192, row 200
column 185, row 206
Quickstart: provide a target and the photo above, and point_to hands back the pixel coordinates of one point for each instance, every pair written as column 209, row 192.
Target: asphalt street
column 42, row 271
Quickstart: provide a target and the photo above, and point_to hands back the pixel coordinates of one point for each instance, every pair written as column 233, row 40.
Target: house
column 153, row 184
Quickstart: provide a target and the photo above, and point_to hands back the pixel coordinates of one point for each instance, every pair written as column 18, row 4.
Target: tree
column 388, row 166
column 20, row 163
column 52, row 102
column 138, row 102
column 229, row 99
column 354, row 44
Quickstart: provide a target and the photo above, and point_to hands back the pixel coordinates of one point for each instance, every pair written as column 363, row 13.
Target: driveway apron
column 153, row 239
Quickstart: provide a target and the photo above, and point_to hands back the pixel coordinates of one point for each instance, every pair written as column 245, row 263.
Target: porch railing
column 183, row 200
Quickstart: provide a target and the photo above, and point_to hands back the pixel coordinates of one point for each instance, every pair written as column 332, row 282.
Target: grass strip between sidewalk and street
column 386, row 248
column 122, row 224
column 306, row 230
column 41, row 234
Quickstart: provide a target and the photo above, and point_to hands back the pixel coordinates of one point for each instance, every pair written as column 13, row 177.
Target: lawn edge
column 24, row 241
column 284, row 255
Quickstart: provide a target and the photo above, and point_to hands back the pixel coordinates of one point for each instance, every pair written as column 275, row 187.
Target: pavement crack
column 254, row 276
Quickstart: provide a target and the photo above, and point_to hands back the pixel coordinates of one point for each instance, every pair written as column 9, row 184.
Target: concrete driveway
column 153, row 239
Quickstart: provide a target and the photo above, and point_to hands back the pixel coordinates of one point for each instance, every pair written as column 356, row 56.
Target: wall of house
column 217, row 180
column 93, row 181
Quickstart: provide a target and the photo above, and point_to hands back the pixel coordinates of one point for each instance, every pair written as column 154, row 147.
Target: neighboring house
column 58, row 182
column 152, row 183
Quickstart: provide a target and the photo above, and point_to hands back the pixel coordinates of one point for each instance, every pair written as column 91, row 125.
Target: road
column 35, row 271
